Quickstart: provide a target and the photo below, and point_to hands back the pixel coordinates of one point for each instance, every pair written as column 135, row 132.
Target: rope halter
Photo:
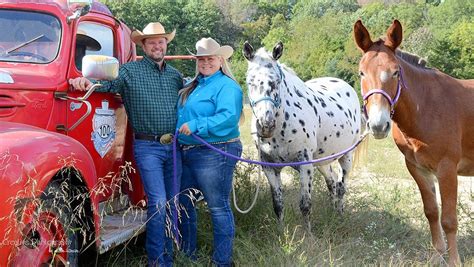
column 393, row 102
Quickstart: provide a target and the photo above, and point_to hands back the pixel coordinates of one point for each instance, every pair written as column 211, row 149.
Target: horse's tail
column 360, row 154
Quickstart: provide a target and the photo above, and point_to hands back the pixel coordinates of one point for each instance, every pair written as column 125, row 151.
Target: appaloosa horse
column 433, row 124
column 297, row 121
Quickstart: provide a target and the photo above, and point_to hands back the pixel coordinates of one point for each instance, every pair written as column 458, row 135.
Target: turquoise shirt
column 212, row 110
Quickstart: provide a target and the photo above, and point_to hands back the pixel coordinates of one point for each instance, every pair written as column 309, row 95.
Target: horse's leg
column 448, row 188
column 274, row 178
column 346, row 165
column 306, row 179
column 330, row 177
column 428, row 195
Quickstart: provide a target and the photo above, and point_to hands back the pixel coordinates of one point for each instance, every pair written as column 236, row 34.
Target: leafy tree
column 317, row 8
column 454, row 54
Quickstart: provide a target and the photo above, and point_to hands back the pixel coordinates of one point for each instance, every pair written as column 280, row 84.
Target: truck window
column 26, row 36
column 93, row 39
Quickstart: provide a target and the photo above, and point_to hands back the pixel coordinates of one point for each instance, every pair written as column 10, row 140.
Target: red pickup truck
column 66, row 181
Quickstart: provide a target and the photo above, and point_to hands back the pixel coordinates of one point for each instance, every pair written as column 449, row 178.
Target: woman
column 210, row 107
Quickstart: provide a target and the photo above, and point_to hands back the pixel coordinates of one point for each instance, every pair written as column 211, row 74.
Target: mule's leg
column 448, row 188
column 306, row 180
column 331, row 178
column 274, row 179
column 346, row 165
column 428, row 195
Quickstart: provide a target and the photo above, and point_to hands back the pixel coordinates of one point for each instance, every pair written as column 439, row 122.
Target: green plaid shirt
column 149, row 95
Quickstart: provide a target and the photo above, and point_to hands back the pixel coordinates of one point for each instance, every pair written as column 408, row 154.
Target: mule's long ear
column 248, row 51
column 277, row 50
column 362, row 36
column 394, row 35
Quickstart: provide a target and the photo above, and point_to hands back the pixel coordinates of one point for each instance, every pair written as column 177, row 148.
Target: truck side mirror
column 99, row 67
column 79, row 8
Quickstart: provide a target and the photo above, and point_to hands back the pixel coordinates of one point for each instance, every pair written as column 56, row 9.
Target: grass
column 383, row 223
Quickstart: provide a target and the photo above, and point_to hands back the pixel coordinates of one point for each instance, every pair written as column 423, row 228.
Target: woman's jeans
column 155, row 164
column 211, row 173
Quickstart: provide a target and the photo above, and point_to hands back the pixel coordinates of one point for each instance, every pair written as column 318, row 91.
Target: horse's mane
column 265, row 56
column 410, row 58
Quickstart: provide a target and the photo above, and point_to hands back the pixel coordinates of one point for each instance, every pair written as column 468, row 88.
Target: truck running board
column 121, row 226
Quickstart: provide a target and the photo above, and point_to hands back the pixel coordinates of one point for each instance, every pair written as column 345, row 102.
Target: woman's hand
column 184, row 129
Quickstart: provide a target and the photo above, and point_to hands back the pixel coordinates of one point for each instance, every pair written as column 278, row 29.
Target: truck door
column 103, row 132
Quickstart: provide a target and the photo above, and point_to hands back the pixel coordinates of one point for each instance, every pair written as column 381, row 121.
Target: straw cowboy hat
column 209, row 47
column 153, row 29
column 84, row 39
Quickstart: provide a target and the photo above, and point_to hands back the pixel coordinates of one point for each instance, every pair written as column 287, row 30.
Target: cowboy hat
column 209, row 47
column 153, row 29
column 90, row 43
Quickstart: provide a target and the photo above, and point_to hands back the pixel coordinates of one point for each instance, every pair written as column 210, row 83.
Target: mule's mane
column 265, row 57
column 413, row 59
column 410, row 58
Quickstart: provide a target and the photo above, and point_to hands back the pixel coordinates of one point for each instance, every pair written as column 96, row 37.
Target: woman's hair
column 186, row 91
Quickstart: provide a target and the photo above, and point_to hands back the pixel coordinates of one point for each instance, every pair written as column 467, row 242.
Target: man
column 149, row 89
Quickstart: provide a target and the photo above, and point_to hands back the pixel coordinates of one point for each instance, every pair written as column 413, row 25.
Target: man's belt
column 164, row 139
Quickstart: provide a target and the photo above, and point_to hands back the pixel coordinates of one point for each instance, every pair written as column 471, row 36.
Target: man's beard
column 156, row 57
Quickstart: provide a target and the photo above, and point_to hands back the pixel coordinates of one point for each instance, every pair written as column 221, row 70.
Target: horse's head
column 380, row 76
column 264, row 76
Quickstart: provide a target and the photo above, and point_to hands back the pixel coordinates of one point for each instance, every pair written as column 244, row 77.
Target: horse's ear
column 277, row 50
column 248, row 51
column 362, row 36
column 394, row 35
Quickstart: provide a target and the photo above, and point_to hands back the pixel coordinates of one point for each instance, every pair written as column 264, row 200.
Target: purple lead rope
column 277, row 164
column 175, row 188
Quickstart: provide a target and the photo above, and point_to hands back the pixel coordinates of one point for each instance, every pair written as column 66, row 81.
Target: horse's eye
column 361, row 74
column 396, row 73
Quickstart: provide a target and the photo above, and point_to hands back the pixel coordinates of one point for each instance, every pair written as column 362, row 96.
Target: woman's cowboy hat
column 154, row 29
column 209, row 47
column 89, row 42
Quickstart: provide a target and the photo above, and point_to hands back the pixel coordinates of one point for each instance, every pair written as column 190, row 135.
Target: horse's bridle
column 276, row 102
column 400, row 85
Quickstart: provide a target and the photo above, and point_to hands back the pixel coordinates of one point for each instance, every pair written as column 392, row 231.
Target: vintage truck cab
column 66, row 181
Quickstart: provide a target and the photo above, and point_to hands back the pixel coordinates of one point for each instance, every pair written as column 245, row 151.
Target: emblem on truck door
column 103, row 126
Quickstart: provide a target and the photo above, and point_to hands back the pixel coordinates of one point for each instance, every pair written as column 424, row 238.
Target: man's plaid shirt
column 149, row 95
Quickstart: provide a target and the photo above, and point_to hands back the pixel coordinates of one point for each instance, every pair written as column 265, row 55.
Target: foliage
column 317, row 34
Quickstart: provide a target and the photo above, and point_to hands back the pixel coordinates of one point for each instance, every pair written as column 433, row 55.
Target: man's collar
column 153, row 64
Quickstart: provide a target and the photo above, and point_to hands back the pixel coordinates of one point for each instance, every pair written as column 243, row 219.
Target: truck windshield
column 30, row 37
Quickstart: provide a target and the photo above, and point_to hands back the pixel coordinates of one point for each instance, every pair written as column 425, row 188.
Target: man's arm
column 114, row 86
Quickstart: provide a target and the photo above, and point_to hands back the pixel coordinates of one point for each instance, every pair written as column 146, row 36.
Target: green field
column 383, row 223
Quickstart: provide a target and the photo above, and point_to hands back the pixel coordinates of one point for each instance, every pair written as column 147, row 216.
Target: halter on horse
column 432, row 124
column 297, row 121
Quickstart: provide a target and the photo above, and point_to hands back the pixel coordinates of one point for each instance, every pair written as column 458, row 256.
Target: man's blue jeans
column 211, row 173
column 155, row 164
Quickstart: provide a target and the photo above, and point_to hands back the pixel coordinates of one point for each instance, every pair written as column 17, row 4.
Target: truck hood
column 29, row 76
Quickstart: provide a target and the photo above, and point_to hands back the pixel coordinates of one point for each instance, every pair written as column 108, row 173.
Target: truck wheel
column 51, row 240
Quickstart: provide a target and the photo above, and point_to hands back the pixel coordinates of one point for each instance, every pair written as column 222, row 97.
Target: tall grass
column 383, row 222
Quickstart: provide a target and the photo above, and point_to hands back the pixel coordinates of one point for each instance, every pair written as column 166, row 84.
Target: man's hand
column 80, row 83
column 185, row 129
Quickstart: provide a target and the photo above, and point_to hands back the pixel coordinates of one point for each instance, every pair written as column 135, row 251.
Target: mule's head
column 379, row 72
column 264, row 77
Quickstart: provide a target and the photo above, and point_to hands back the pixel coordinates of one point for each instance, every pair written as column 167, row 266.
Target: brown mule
column 433, row 124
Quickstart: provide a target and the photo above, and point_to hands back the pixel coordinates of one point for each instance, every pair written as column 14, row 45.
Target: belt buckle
column 166, row 139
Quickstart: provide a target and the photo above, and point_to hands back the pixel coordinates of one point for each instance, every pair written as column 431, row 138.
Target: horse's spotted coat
column 319, row 118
